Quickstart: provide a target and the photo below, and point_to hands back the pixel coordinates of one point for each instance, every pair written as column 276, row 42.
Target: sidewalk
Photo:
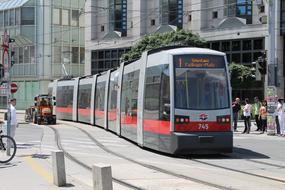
column 31, row 168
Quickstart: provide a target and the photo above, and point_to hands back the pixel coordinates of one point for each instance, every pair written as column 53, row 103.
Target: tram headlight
column 182, row 119
column 224, row 119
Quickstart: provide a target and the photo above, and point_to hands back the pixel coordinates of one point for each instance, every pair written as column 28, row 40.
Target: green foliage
column 156, row 40
column 241, row 76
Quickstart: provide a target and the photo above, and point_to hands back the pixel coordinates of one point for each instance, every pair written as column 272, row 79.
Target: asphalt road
column 258, row 160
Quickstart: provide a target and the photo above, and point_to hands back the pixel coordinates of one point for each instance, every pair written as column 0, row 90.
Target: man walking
column 14, row 123
column 236, row 107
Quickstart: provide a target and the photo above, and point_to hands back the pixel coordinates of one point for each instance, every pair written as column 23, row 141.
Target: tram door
column 157, row 107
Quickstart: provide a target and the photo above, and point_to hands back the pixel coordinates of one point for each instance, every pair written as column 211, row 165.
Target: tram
column 175, row 100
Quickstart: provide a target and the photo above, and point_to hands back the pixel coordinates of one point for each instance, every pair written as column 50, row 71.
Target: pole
column 6, row 61
column 271, row 90
column 272, row 42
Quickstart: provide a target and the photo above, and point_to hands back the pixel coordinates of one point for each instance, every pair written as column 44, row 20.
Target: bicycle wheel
column 6, row 141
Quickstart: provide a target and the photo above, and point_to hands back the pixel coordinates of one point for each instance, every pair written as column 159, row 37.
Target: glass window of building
column 18, row 14
column 82, row 55
column 57, row 54
column 65, row 17
column 56, row 16
column 16, row 55
column 26, row 55
column 21, row 55
column 244, row 10
column 32, row 55
column 236, row 46
column 216, row 46
column 27, row 15
column 12, row 17
column 6, row 18
column 246, row 44
column 75, row 18
column 246, row 58
column 66, row 54
column 1, row 19
column 258, row 44
column 236, row 58
column 75, row 35
column 75, row 54
column 230, row 8
column 118, row 15
column 172, row 12
column 226, row 46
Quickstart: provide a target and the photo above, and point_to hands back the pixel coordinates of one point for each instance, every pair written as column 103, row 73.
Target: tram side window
column 100, row 96
column 84, row 97
column 129, row 97
column 157, row 93
column 113, row 91
column 65, row 96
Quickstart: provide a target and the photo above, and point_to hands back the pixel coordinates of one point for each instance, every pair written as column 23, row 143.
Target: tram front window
column 201, row 89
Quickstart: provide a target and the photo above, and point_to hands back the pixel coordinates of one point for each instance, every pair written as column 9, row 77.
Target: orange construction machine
column 44, row 110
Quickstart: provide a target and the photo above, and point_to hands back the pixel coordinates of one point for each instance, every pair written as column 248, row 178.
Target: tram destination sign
column 199, row 61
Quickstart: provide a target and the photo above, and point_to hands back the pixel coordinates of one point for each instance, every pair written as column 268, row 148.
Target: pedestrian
column 263, row 116
column 255, row 112
column 236, row 108
column 14, row 123
column 278, row 115
column 246, row 114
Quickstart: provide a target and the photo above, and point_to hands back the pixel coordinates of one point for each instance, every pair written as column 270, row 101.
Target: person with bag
column 247, row 114
column 236, row 107
column 263, row 116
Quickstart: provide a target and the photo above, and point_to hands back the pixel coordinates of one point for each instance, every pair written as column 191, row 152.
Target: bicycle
column 6, row 141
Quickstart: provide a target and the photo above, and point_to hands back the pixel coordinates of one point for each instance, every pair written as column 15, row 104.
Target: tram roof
column 191, row 50
column 10, row 4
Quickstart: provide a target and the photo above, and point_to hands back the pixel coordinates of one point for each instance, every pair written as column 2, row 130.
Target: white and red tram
column 173, row 99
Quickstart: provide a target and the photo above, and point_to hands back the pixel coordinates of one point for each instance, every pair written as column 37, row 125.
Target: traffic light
column 262, row 62
column 11, row 40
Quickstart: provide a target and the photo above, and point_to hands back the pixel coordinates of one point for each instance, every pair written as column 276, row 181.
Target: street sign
column 14, row 87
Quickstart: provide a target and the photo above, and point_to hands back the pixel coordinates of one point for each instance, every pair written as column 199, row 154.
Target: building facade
column 49, row 43
column 237, row 27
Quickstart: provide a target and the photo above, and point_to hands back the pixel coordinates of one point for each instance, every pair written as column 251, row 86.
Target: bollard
column 102, row 177
column 58, row 167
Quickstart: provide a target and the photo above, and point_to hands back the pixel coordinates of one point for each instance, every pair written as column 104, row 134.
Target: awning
column 10, row 4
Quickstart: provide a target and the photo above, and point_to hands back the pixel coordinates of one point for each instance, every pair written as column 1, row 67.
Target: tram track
column 236, row 170
column 195, row 160
column 100, row 145
column 155, row 168
column 77, row 161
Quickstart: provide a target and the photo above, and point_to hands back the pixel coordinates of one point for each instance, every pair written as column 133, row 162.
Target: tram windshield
column 201, row 82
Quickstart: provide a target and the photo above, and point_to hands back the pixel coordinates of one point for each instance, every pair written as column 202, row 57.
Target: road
column 258, row 160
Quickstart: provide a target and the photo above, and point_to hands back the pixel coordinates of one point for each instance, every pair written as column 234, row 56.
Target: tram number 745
column 203, row 126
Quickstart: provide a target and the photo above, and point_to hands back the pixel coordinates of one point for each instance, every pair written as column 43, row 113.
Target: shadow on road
column 238, row 153
column 40, row 156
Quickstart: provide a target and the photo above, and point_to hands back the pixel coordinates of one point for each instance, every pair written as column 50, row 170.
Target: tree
column 156, row 40
column 241, row 76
